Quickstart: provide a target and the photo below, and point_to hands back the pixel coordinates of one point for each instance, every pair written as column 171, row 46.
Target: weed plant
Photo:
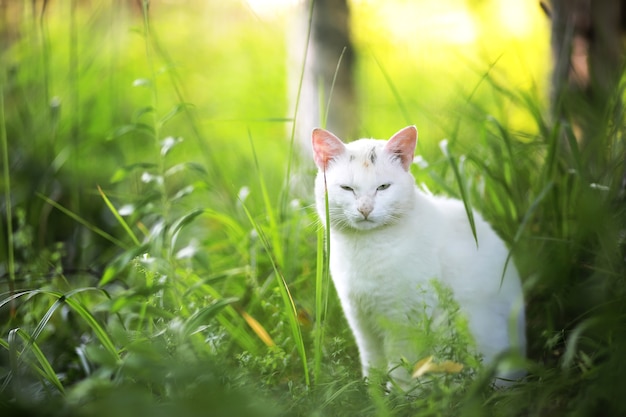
column 166, row 276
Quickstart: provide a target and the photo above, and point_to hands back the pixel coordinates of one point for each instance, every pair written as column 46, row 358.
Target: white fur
column 379, row 264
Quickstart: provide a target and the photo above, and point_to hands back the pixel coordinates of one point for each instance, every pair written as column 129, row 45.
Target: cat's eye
column 383, row 187
column 346, row 188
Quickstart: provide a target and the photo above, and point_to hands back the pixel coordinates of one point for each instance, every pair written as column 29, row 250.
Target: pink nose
column 365, row 208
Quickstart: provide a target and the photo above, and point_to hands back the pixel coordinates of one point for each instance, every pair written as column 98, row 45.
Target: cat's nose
column 365, row 208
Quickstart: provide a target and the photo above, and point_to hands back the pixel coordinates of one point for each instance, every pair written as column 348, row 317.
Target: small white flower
column 168, row 143
column 126, row 210
column 600, row 187
column 243, row 193
column 420, row 162
column 295, row 204
column 188, row 251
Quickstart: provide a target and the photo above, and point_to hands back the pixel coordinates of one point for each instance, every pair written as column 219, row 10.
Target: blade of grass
column 523, row 224
column 257, row 328
column 275, row 235
column 99, row 331
column 462, row 186
column 403, row 109
column 84, row 222
column 290, row 306
column 551, row 158
column 332, row 87
column 118, row 217
column 13, row 362
column 574, row 149
column 290, row 155
column 322, row 280
column 7, row 199
column 17, row 358
column 573, row 340
column 120, row 262
column 204, row 314
column 178, row 225
column 319, row 312
column 228, row 318
column 46, row 370
column 78, row 308
column 176, row 82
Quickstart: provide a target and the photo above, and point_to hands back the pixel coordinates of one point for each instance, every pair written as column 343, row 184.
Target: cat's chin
column 365, row 224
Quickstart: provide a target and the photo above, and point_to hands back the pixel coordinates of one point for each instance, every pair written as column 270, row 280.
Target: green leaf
column 45, row 370
column 120, row 262
column 182, row 222
column 462, row 186
column 99, row 331
column 119, row 218
column 84, row 222
column 178, row 108
column 202, row 316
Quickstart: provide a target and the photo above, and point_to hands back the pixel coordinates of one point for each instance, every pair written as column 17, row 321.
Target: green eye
column 383, row 187
column 346, row 188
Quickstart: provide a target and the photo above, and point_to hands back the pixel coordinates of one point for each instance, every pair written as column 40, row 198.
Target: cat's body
column 388, row 240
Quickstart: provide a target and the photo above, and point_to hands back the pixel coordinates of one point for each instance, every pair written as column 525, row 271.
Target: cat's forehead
column 366, row 152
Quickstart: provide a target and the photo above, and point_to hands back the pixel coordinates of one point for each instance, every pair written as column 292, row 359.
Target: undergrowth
column 166, row 287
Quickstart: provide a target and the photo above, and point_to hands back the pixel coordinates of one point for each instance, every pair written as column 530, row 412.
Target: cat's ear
column 402, row 146
column 326, row 147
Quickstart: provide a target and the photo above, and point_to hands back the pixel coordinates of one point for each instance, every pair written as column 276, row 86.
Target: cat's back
column 477, row 266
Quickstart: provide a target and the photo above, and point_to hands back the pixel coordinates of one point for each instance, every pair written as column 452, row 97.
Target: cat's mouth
column 355, row 223
column 364, row 223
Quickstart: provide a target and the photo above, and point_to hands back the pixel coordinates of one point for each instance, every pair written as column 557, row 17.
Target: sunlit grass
column 159, row 262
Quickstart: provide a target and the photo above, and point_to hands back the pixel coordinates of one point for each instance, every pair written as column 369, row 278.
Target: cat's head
column 368, row 181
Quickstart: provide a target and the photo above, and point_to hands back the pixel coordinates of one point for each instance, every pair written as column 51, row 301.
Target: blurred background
column 82, row 79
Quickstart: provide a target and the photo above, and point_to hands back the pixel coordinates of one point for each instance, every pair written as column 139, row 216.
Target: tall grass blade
column 205, row 314
column 319, row 312
column 523, row 224
column 258, row 329
column 332, row 87
column 118, row 217
column 7, row 198
column 462, row 186
column 100, row 332
column 228, row 317
column 176, row 83
column 275, row 234
column 322, row 281
column 551, row 158
column 46, row 370
column 120, row 262
column 16, row 358
column 574, row 149
column 573, row 341
column 84, row 222
column 182, row 222
column 42, row 323
column 531, row 211
column 13, row 360
column 396, row 94
column 292, row 136
column 289, row 304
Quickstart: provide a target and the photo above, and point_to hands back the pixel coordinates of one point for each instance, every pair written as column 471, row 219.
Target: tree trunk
column 330, row 58
column 588, row 58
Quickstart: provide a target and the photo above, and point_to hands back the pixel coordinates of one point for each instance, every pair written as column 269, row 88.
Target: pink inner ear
column 326, row 146
column 403, row 144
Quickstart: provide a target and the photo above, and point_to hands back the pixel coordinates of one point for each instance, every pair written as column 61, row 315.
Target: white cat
column 388, row 240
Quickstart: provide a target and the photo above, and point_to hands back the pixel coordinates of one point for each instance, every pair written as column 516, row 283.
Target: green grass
column 156, row 261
